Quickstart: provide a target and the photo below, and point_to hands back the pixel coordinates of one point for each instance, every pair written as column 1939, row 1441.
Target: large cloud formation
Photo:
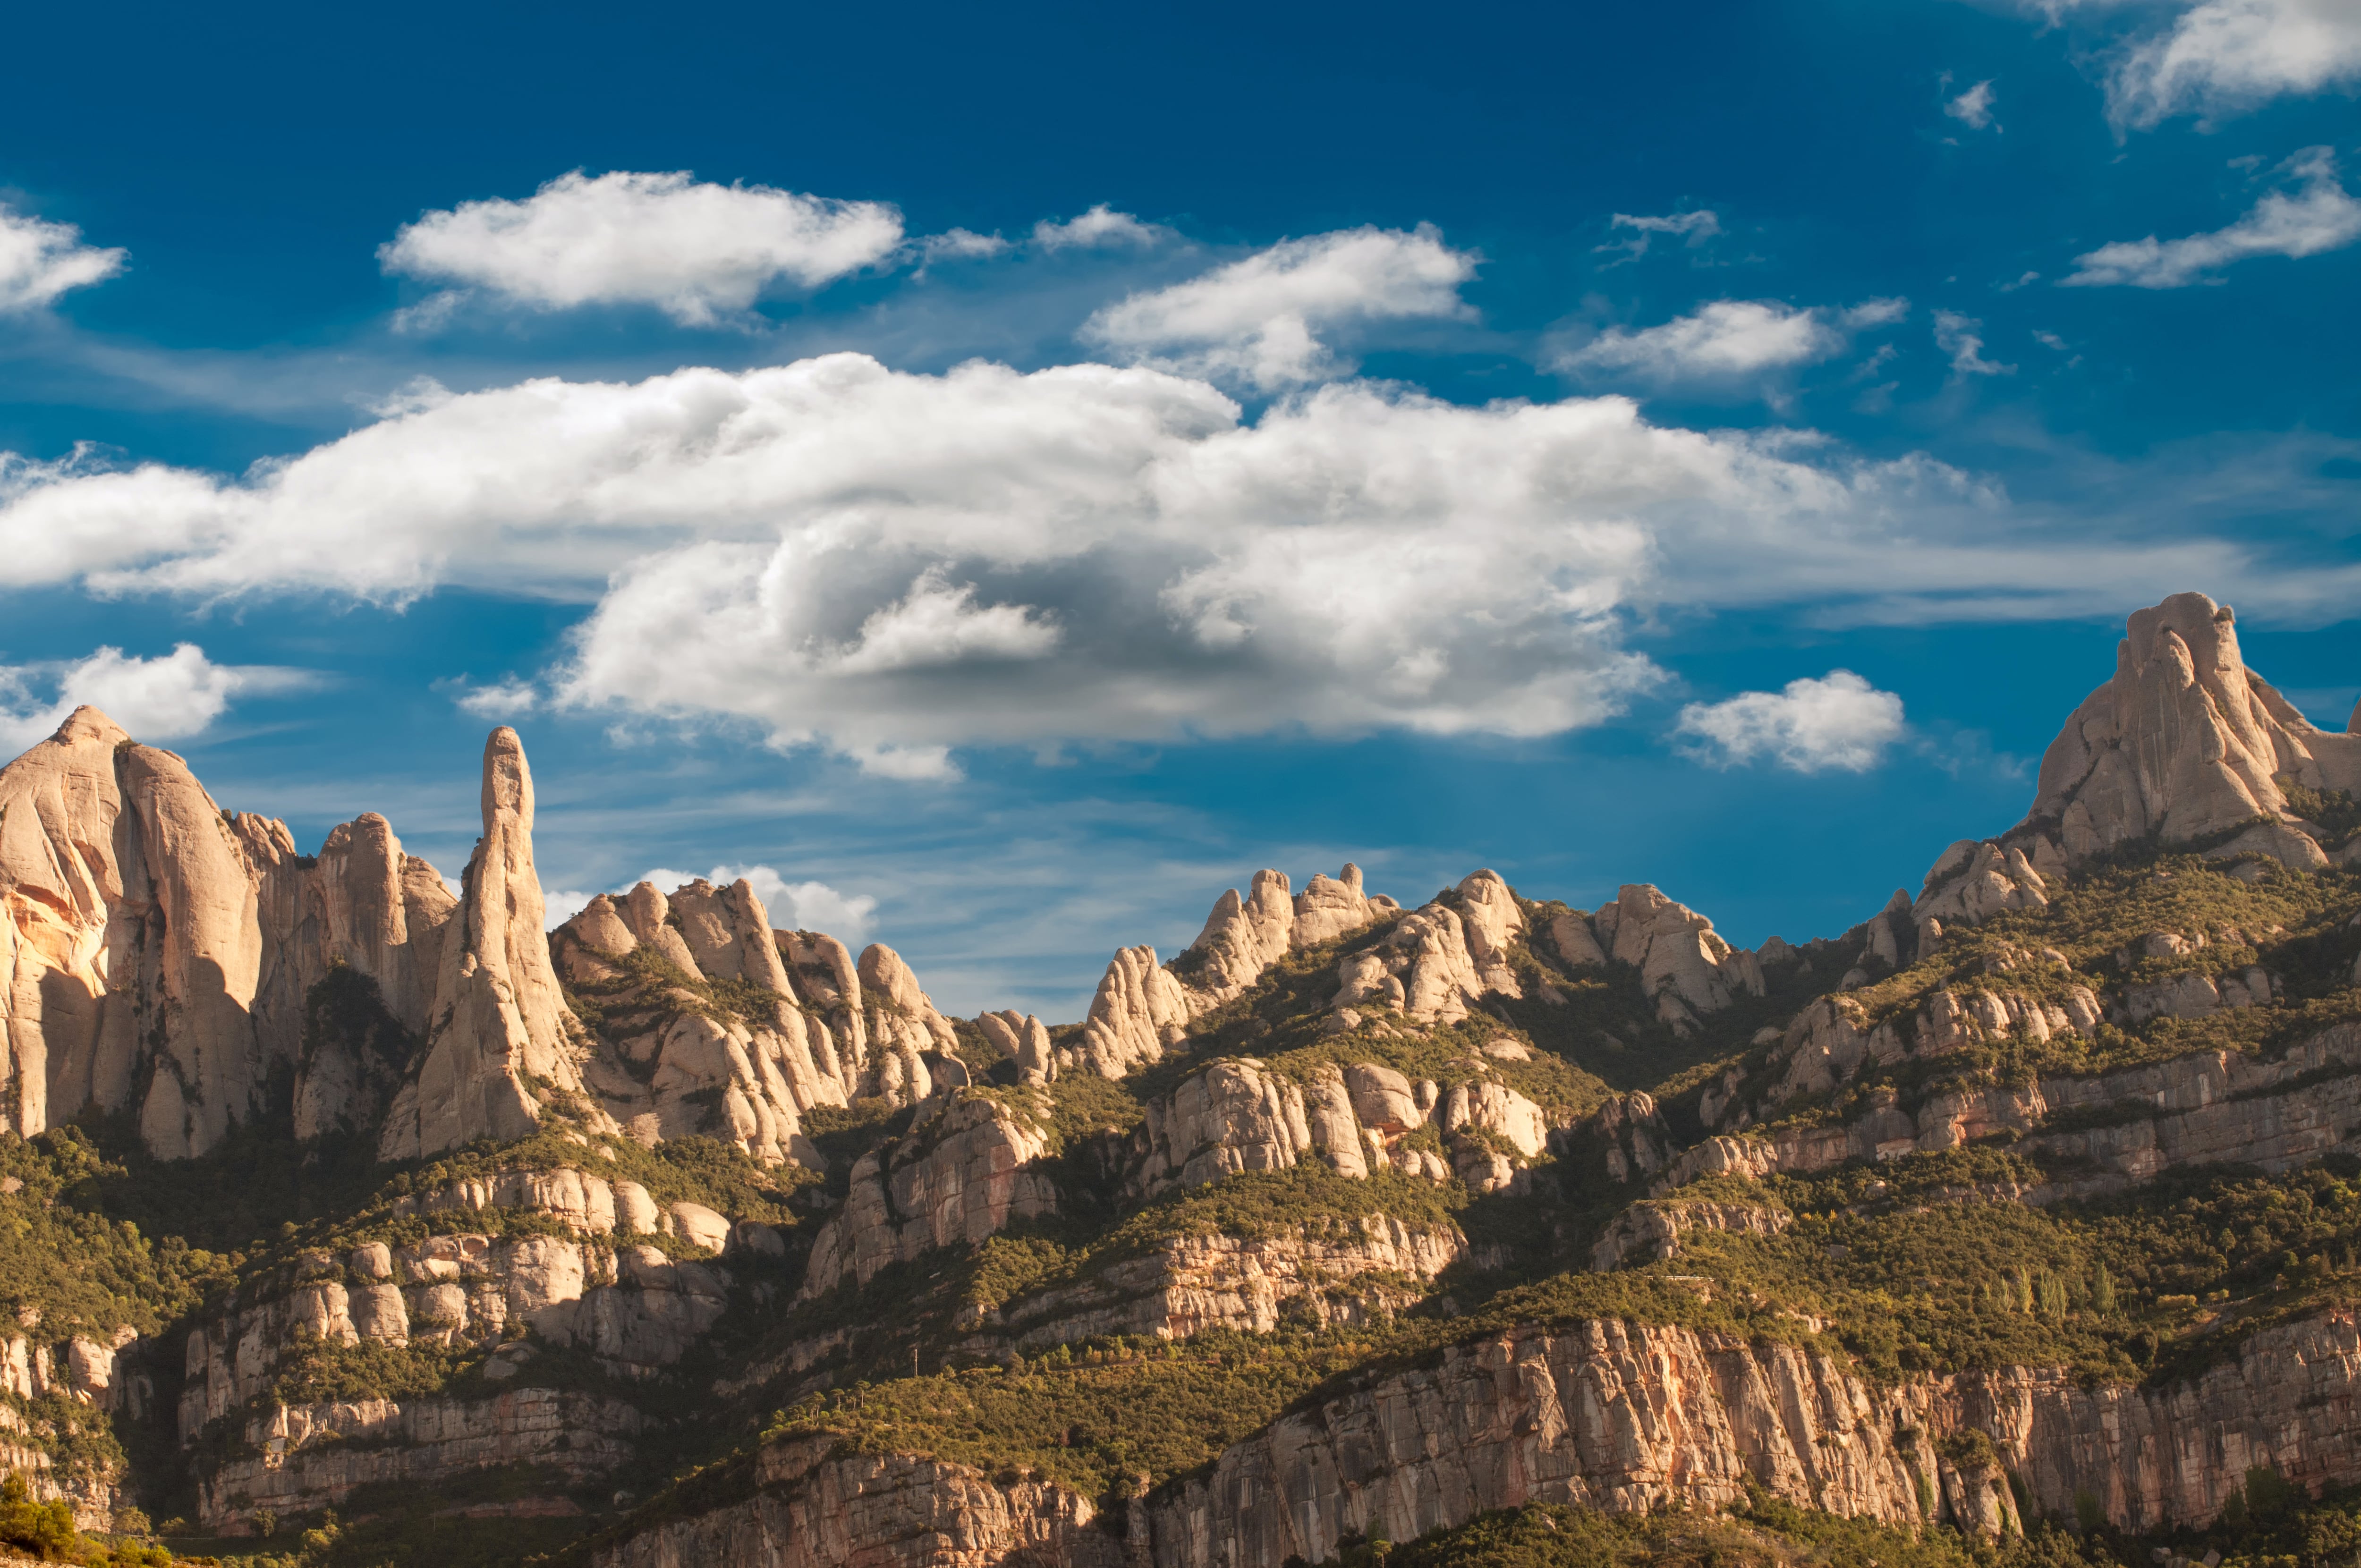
column 895, row 564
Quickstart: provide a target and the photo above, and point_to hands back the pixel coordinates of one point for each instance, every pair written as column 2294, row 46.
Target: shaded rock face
column 1647, row 1232
column 2183, row 740
column 1624, row 1140
column 1025, row 1040
column 157, row 953
column 1438, row 961
column 1832, row 1041
column 738, row 1029
column 870, row 1019
column 1605, row 1415
column 1621, row 1417
column 966, row 1168
column 631, row 1305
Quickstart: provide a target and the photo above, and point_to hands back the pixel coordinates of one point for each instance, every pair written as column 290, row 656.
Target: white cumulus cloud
column 40, row 260
column 1837, row 722
column 168, row 697
column 1261, row 320
column 895, row 565
column 2226, row 57
column 696, row 251
column 2319, row 215
column 1729, row 339
column 1101, row 226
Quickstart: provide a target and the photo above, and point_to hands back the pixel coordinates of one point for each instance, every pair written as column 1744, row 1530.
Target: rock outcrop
column 812, row 1508
column 724, row 1028
column 1237, row 1115
column 1620, row 1417
column 966, row 1168
column 1439, row 960
column 1330, row 907
column 1651, row 1232
column 1142, row 1009
column 1187, row 1285
column 1685, row 967
column 1024, row 1040
column 674, row 1060
column 301, row 1458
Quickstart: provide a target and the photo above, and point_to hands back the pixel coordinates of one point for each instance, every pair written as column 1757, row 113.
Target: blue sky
column 1013, row 473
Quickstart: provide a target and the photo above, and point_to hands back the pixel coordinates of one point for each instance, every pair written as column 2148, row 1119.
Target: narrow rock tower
column 498, row 1044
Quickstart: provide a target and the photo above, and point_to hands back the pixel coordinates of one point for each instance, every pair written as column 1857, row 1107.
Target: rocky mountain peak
column 2183, row 741
column 88, row 724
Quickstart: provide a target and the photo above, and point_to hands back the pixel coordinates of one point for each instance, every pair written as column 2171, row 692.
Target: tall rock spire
column 498, row 1042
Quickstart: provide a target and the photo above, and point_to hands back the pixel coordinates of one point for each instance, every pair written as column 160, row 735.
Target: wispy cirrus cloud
column 1693, row 229
column 40, row 260
column 1266, row 321
column 2318, row 215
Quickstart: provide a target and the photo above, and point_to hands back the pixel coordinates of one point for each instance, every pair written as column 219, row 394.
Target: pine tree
column 2103, row 1291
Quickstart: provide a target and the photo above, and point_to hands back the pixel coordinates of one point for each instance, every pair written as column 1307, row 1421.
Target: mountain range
column 349, row 1215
